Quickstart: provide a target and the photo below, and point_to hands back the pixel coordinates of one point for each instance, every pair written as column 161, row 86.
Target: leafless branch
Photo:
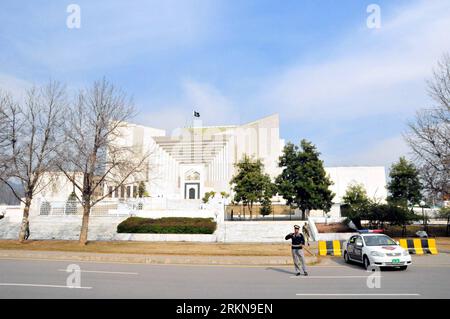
column 429, row 134
column 96, row 146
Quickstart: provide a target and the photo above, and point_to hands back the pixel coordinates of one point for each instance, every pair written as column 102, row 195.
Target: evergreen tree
column 356, row 203
column 71, row 204
column 404, row 185
column 250, row 184
column 142, row 192
column 303, row 182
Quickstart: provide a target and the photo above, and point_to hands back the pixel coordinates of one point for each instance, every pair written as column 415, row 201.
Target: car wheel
column 346, row 258
column 403, row 267
column 366, row 262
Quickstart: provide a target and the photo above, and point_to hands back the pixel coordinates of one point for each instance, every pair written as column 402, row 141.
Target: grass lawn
column 154, row 248
column 443, row 243
column 168, row 248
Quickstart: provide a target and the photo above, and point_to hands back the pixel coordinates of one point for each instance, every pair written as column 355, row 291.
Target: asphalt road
column 429, row 277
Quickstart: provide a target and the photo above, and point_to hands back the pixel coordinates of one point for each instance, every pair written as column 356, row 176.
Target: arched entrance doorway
column 192, row 184
column 192, row 190
column 192, row 193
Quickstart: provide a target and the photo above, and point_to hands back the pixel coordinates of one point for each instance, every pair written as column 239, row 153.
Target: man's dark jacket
column 297, row 240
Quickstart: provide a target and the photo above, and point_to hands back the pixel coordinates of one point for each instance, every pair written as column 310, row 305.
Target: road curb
column 153, row 259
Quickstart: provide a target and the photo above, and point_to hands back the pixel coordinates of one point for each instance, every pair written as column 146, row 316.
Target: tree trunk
column 25, row 223
column 303, row 214
column 448, row 225
column 85, row 223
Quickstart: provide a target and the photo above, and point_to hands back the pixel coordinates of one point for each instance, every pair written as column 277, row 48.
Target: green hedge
column 433, row 230
column 167, row 225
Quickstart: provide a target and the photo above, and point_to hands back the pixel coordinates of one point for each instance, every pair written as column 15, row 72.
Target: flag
column 196, row 114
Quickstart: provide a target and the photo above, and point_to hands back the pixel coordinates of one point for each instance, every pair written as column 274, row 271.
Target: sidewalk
column 152, row 259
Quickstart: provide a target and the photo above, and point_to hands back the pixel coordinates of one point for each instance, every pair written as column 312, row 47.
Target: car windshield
column 379, row 241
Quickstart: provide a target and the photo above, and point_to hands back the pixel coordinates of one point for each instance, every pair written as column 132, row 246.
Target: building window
column 135, row 191
column 110, row 191
column 122, row 191
column 116, row 193
column 128, row 191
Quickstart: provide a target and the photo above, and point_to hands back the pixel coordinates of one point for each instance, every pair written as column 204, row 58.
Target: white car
column 376, row 250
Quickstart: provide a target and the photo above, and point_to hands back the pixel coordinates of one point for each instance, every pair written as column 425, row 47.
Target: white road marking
column 333, row 277
column 39, row 285
column 105, row 272
column 380, row 294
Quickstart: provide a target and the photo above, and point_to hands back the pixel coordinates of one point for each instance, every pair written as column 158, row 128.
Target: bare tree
column 5, row 114
column 29, row 140
column 96, row 146
column 429, row 134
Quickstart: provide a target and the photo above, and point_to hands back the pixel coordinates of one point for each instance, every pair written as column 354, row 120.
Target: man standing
column 27, row 229
column 297, row 249
column 306, row 233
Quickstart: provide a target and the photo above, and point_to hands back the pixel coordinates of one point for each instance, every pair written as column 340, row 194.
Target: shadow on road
column 285, row 271
column 352, row 265
column 357, row 266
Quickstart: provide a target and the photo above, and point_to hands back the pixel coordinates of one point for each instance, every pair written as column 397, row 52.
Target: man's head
column 296, row 228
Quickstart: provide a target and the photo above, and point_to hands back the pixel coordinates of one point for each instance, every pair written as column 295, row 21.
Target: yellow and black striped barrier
column 331, row 247
column 420, row 246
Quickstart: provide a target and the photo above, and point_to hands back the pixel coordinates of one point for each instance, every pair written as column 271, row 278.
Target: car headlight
column 405, row 252
column 376, row 254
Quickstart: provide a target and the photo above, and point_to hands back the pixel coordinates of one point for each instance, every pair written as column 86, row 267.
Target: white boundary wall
column 104, row 228
column 257, row 231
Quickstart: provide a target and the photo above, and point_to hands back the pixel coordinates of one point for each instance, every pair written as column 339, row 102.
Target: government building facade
column 195, row 160
column 191, row 161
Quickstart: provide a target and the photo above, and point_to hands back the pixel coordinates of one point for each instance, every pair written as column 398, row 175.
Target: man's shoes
column 306, row 274
column 297, row 274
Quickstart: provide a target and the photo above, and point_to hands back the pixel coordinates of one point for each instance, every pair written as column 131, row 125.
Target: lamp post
column 422, row 204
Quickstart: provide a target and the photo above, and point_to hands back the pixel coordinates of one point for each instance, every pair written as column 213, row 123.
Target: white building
column 192, row 161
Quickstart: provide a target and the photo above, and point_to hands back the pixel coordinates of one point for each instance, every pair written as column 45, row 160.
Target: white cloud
column 112, row 33
column 14, row 85
column 167, row 118
column 384, row 152
column 374, row 72
column 213, row 106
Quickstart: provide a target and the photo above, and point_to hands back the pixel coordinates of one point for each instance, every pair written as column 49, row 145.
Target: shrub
column 410, row 230
column 208, row 196
column 142, row 191
column 379, row 214
column 71, row 204
column 45, row 208
column 266, row 207
column 167, row 225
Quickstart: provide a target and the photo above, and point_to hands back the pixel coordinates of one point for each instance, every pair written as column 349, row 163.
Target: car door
column 351, row 246
column 358, row 246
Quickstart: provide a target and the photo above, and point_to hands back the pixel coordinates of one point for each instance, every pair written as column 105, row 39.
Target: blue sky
column 348, row 88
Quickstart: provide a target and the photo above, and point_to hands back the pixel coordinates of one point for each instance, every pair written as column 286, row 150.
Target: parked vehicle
column 373, row 249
